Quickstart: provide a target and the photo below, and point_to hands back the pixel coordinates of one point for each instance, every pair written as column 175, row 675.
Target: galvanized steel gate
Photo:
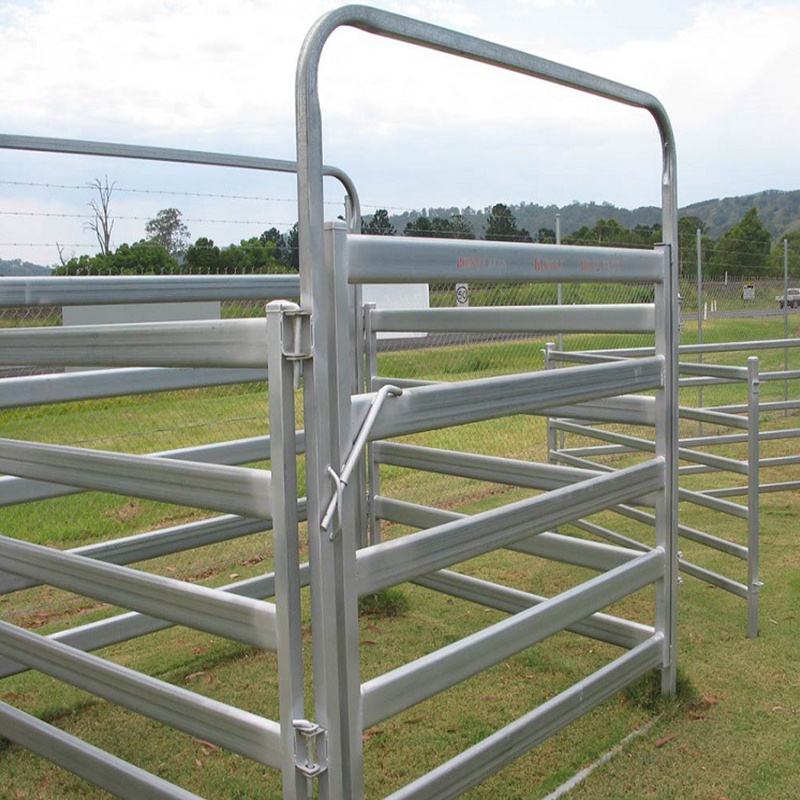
column 342, row 421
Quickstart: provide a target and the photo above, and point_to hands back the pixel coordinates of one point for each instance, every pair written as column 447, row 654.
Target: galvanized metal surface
column 184, row 603
column 206, row 343
column 233, row 490
column 67, row 387
column 256, row 737
column 101, row 768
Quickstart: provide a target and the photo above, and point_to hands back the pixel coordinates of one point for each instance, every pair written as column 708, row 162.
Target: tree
column 168, row 230
column 379, row 224
column 501, row 226
column 293, row 248
column 279, row 240
column 546, row 236
column 202, row 258
column 101, row 223
column 743, row 250
column 141, row 258
column 687, row 245
column 776, row 258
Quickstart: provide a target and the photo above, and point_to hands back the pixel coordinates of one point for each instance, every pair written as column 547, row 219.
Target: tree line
column 746, row 249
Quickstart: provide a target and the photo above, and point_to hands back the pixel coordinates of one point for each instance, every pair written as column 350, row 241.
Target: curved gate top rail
column 396, row 26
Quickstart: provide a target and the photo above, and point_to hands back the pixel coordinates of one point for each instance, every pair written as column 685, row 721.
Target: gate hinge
column 296, row 343
column 310, row 748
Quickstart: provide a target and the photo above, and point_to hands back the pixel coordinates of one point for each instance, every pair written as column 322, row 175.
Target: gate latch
column 296, row 343
column 310, row 754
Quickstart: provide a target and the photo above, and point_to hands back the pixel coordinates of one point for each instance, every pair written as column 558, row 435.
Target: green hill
column 779, row 212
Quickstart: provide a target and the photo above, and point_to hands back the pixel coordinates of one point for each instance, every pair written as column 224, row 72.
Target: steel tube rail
column 715, row 579
column 647, row 446
column 154, row 544
column 713, row 370
column 708, row 500
column 237, row 451
column 461, row 773
column 774, row 405
column 445, row 404
column 199, row 607
column 191, row 343
column 511, row 471
column 553, row 546
column 240, row 731
column 598, row 626
column 403, row 259
column 780, row 375
column 234, row 490
column 395, row 691
column 389, row 563
column 622, row 318
column 74, row 290
column 719, row 347
column 147, row 153
column 119, row 777
column 701, row 537
column 67, row 387
column 131, row 625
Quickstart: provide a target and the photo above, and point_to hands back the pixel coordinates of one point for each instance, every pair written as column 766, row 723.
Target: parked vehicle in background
column 791, row 299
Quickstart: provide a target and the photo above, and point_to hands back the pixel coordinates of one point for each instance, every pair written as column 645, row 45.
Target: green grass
column 733, row 732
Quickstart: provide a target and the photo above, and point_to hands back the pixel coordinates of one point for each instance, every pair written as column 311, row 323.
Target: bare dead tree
column 61, row 257
column 102, row 225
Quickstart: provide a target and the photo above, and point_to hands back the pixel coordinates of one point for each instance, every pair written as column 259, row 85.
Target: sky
column 413, row 128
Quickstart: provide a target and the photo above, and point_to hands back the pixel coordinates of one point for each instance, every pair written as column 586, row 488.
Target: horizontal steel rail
column 162, row 542
column 715, row 579
column 401, row 688
column 609, row 318
column 439, row 405
column 779, row 375
column 633, row 409
column 552, row 546
column 177, row 156
column 392, row 562
column 233, row 490
column 191, row 343
column 209, row 610
column 722, row 463
column 132, row 625
column 154, row 544
column 456, row 776
column 601, row 627
column 630, row 409
column 718, row 347
column 237, row 451
column 119, row 777
column 106, row 290
column 687, row 532
column 404, row 259
column 511, row 471
column 240, row 731
column 67, row 387
column 775, row 405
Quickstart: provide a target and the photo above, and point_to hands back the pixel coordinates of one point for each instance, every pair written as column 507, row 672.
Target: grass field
column 732, row 734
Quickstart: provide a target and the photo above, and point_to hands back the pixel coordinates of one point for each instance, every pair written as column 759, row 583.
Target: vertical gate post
column 753, row 478
column 666, row 435
column 285, row 539
column 552, row 433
